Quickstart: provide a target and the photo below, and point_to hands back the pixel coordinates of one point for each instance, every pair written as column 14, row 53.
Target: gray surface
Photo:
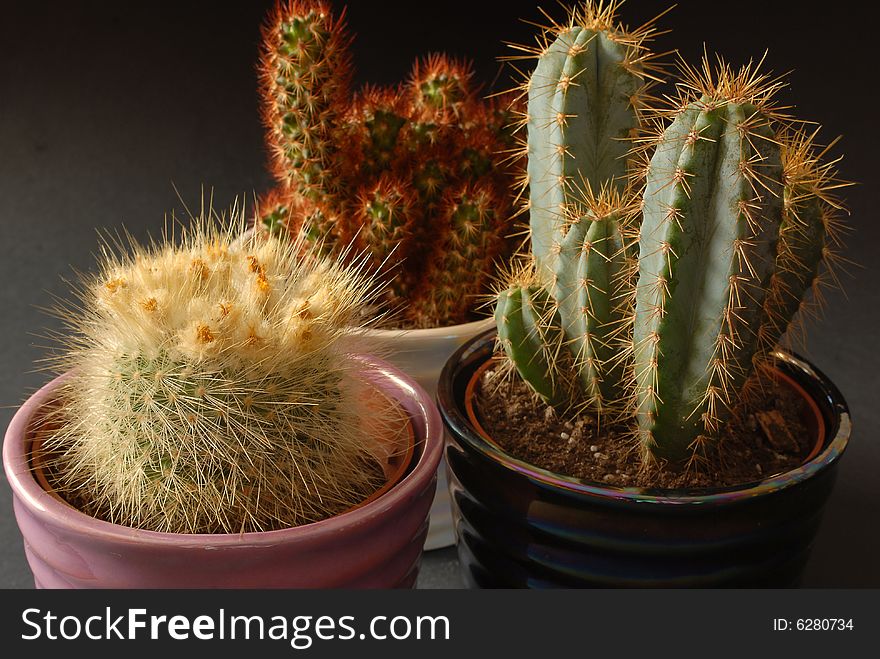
column 101, row 110
column 440, row 569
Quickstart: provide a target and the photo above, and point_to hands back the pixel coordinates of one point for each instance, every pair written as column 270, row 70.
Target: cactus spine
column 211, row 389
column 429, row 148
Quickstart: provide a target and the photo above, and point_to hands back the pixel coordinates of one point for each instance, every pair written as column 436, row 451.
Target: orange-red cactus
column 386, row 212
column 305, row 79
column 414, row 173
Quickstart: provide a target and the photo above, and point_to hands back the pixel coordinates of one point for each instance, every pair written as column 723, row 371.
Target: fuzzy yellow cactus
column 212, row 388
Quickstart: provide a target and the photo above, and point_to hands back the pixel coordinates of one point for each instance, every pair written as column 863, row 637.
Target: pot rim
column 428, row 333
column 387, row 378
column 836, row 441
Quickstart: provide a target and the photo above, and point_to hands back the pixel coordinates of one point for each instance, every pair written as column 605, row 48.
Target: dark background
column 105, row 107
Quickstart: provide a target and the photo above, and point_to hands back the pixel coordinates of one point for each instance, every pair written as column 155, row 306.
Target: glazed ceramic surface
column 422, row 354
column 377, row 545
column 522, row 526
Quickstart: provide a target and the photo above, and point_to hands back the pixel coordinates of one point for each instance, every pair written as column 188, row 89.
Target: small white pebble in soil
column 600, row 456
column 594, row 448
column 608, row 478
column 565, row 435
column 759, row 469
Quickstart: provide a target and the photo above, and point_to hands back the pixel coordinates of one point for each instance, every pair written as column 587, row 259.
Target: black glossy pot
column 521, row 526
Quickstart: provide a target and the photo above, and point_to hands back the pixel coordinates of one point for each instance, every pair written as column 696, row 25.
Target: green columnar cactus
column 210, row 388
column 667, row 324
column 530, row 331
column 583, row 111
column 808, row 237
column 584, row 106
column 421, row 142
column 590, row 281
column 589, row 297
column 712, row 214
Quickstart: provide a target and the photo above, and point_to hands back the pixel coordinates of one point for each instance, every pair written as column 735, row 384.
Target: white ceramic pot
column 421, row 354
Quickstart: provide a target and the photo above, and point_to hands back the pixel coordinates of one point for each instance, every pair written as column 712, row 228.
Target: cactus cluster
column 210, row 387
column 585, row 102
column 413, row 174
column 656, row 294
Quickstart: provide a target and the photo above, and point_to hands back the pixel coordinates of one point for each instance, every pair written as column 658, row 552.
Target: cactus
column 530, row 331
column 584, row 104
column 667, row 325
column 471, row 247
column 809, row 237
column 306, row 76
column 712, row 216
column 210, row 387
column 429, row 148
column 586, row 309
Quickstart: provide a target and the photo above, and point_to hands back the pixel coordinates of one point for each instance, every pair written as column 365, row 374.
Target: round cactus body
column 211, row 389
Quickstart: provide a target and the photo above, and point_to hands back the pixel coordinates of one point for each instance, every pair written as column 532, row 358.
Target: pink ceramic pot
column 375, row 546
